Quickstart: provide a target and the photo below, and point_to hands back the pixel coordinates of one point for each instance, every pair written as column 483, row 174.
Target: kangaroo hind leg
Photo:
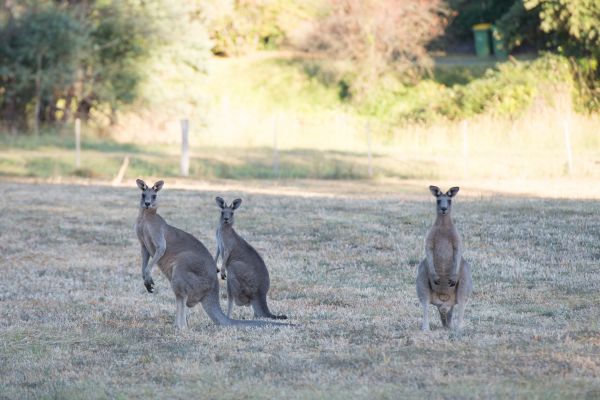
column 180, row 314
column 229, row 297
column 424, row 294
column 463, row 292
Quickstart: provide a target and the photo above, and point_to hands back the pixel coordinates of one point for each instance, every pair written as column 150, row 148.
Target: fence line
column 185, row 148
column 465, row 136
column 275, row 150
column 77, row 143
column 569, row 150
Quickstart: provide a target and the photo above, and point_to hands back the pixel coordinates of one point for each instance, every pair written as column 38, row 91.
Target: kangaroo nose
column 147, row 203
column 444, row 208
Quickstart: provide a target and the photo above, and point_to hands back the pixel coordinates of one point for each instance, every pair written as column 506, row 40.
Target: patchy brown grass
column 76, row 321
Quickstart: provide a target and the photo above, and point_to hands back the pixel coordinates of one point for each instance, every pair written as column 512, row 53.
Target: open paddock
column 77, row 322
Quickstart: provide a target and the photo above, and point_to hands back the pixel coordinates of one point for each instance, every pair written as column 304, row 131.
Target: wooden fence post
column 370, row 157
column 119, row 178
column 569, row 150
column 185, row 148
column 77, row 143
column 275, row 150
column 465, row 134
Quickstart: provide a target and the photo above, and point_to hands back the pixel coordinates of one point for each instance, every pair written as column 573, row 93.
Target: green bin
column 500, row 50
column 481, row 32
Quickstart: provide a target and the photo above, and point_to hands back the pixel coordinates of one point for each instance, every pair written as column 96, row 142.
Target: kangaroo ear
column 452, row 192
column 236, row 203
column 157, row 186
column 435, row 191
column 220, row 202
column 141, row 184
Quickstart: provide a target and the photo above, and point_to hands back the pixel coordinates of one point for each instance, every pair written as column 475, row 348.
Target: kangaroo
column 444, row 277
column 183, row 259
column 247, row 275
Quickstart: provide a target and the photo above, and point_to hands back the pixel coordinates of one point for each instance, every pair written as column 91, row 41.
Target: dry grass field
column 77, row 322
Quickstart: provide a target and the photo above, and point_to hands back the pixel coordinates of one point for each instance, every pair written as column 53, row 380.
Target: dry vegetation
column 76, row 321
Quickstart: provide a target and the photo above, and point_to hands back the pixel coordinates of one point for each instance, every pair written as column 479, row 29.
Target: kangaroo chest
column 220, row 245
column 224, row 250
column 143, row 233
column 443, row 255
column 226, row 241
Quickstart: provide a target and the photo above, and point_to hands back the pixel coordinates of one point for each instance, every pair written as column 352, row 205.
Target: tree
column 378, row 36
column 574, row 29
column 466, row 13
column 240, row 26
column 574, row 24
column 40, row 54
column 60, row 57
column 121, row 36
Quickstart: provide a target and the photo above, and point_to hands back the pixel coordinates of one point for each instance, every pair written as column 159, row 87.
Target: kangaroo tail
column 212, row 307
column 261, row 309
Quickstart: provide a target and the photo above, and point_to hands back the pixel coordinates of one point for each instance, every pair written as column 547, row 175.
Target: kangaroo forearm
column 455, row 265
column 429, row 257
column 145, row 258
column 223, row 271
column 156, row 258
column 456, row 259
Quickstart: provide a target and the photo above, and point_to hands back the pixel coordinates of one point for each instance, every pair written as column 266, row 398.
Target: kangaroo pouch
column 443, row 298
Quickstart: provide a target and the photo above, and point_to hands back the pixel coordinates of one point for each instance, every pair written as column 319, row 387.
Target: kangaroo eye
column 439, row 201
column 153, row 197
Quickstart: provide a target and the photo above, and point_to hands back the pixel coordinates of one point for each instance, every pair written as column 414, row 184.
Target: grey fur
column 247, row 275
column 444, row 277
column 183, row 259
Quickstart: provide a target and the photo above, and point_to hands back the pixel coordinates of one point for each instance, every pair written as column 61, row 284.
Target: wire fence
column 551, row 140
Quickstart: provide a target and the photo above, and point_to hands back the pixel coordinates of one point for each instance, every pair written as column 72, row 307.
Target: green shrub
column 507, row 90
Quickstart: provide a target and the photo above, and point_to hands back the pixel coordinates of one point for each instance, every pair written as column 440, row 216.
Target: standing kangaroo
column 247, row 275
column 183, row 259
column 444, row 277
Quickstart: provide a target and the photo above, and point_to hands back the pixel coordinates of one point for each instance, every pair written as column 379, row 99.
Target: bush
column 378, row 37
column 87, row 58
column 507, row 91
column 238, row 27
column 39, row 56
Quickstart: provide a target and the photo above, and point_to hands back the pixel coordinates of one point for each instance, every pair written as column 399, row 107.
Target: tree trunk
column 83, row 109
column 52, row 110
column 114, row 118
column 38, row 96
column 67, row 111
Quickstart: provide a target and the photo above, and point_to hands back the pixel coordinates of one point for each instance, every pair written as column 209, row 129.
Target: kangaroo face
column 149, row 194
column 227, row 211
column 444, row 200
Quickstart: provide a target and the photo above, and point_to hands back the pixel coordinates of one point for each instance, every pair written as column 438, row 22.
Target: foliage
column 120, row 43
column 40, row 55
column 78, row 57
column 574, row 29
column 587, row 79
column 575, row 24
column 173, row 73
column 467, row 13
column 378, row 37
column 520, row 27
column 507, row 91
column 240, row 26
